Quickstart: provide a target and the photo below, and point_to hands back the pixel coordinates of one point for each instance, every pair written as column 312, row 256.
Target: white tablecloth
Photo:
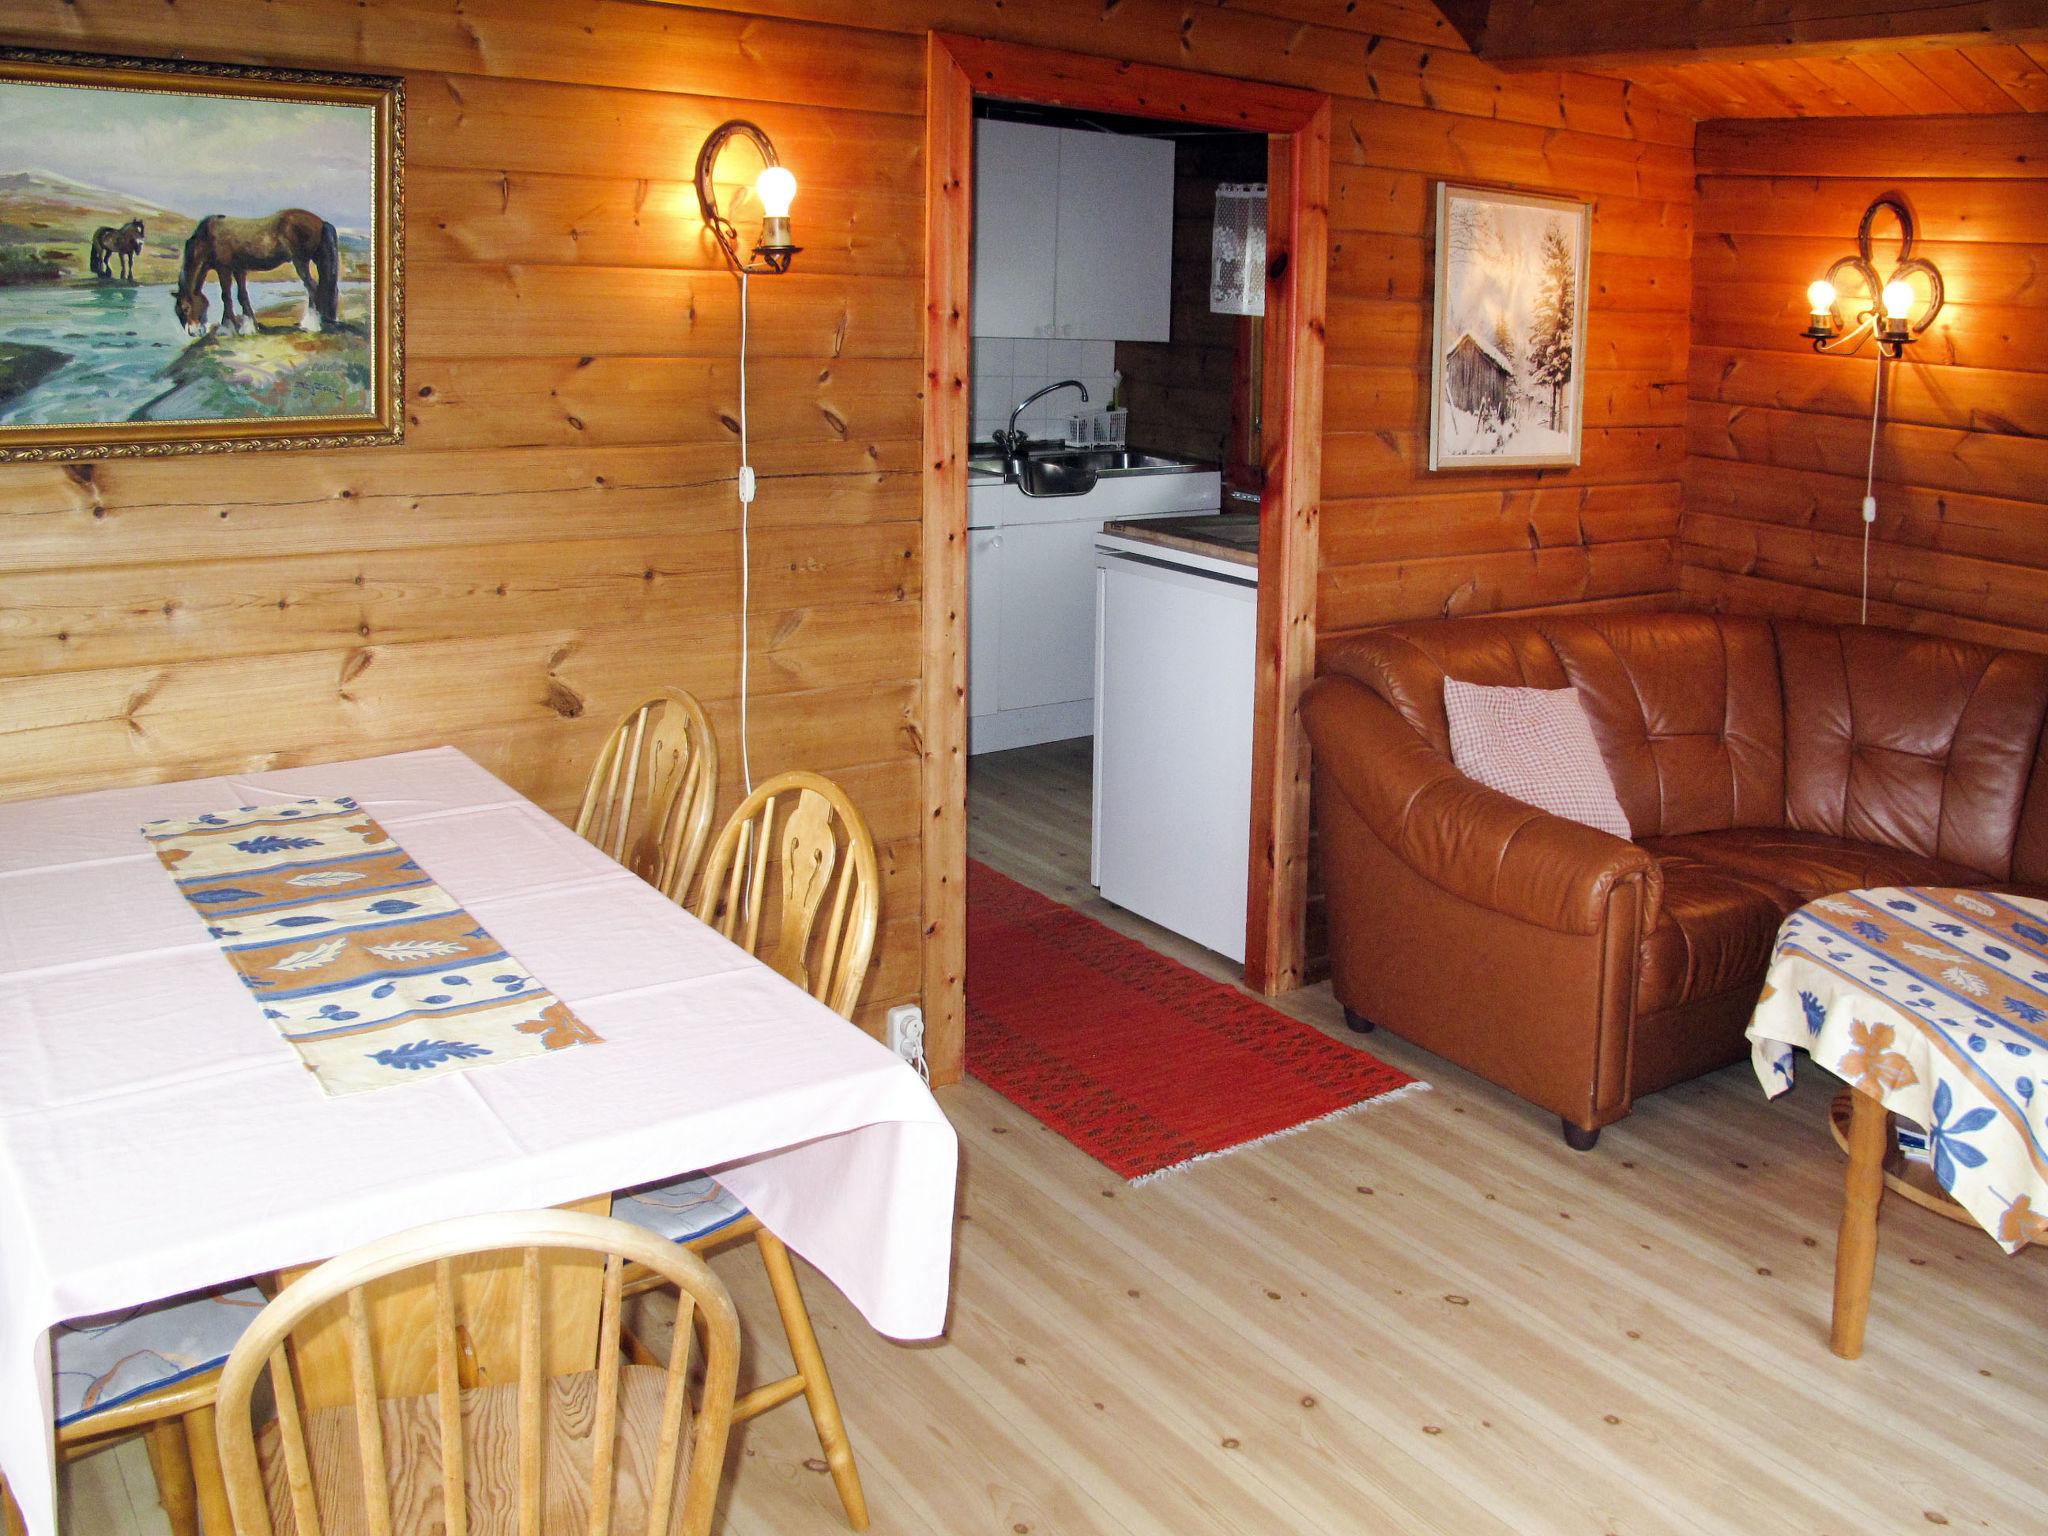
column 156, row 1135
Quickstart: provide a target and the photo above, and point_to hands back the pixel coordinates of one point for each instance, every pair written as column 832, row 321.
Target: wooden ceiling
column 1998, row 77
column 1782, row 58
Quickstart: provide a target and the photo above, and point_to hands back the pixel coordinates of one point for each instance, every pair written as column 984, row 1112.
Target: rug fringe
column 1287, row 1130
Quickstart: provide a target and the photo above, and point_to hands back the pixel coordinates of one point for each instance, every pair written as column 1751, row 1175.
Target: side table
column 1932, row 1004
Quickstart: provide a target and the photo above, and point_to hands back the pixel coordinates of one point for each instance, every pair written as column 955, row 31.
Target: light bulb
column 776, row 187
column 1821, row 297
column 1898, row 301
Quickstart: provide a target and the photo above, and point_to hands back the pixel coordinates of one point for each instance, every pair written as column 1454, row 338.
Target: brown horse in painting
column 108, row 242
column 230, row 249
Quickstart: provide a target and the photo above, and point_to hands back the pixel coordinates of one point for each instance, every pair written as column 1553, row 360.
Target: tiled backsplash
column 1006, row 369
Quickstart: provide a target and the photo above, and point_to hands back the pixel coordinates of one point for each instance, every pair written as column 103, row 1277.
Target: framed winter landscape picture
column 1508, row 374
column 196, row 257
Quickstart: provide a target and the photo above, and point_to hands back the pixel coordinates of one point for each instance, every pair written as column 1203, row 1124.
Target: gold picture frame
column 93, row 319
column 1508, row 333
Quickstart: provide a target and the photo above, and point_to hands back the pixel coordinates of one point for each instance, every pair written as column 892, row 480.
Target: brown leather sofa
column 1761, row 764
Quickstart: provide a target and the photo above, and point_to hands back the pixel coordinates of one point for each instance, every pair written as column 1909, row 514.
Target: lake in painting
column 167, row 256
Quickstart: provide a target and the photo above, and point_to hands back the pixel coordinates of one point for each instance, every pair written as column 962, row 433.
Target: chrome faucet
column 1012, row 442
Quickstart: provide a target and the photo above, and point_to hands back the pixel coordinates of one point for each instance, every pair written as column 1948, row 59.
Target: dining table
column 159, row 1135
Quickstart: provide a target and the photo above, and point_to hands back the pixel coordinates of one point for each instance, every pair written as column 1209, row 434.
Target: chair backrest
column 649, row 799
column 339, row 1293
column 798, row 847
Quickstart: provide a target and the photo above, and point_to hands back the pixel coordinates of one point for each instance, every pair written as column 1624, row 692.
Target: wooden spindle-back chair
column 151, row 1370
column 797, row 847
column 651, row 791
column 609, row 1448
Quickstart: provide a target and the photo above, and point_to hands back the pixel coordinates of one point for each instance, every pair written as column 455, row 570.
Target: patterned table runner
column 1935, row 1003
column 372, row 971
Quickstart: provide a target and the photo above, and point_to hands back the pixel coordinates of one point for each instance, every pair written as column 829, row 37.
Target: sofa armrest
column 1478, row 844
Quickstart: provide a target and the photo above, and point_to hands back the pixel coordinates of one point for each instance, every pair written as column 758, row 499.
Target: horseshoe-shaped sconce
column 775, row 187
column 1893, row 311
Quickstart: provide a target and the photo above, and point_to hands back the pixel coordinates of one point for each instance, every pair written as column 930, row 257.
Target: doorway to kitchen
column 1002, row 112
column 1117, row 287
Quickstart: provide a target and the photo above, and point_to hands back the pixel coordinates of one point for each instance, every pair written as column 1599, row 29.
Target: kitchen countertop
column 1232, row 536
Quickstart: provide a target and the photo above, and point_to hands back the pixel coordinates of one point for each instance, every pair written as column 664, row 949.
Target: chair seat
column 1714, row 932
column 683, row 1210
column 102, row 1362
column 1812, row 864
column 490, row 1429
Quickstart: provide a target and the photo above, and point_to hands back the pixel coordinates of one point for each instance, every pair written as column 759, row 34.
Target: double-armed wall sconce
column 1895, row 312
column 775, row 187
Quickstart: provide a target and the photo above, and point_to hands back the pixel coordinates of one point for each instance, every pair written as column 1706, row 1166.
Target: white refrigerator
column 1175, row 647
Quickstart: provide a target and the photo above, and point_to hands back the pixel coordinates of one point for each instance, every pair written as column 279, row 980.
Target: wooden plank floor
column 1427, row 1318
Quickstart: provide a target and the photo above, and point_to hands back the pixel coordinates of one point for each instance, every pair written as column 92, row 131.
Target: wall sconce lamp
column 1895, row 315
column 776, row 188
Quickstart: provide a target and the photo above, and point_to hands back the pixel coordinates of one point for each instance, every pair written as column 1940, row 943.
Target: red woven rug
column 1140, row 1062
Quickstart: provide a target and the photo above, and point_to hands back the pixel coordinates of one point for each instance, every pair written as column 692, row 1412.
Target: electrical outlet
column 906, row 1033
column 906, row 1030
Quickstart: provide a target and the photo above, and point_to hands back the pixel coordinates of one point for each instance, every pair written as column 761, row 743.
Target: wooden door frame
column 1297, row 124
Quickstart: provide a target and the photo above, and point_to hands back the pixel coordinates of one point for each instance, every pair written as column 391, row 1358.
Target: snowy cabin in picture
column 1477, row 379
column 1510, row 305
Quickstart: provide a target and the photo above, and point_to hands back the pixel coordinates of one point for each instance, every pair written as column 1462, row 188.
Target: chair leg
column 172, row 1464
column 204, row 1445
column 1359, row 1022
column 810, row 1364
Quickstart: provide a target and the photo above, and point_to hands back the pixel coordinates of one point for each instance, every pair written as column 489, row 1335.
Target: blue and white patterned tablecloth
column 1935, row 1003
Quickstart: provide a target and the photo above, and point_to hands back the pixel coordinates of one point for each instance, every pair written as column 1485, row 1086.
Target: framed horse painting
column 197, row 257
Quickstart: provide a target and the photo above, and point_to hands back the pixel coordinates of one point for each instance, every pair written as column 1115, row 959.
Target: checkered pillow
column 1537, row 745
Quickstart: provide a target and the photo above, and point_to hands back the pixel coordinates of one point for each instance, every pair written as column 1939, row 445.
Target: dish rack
column 1098, row 429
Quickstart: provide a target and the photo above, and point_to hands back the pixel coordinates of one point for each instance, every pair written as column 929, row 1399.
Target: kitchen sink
column 1051, row 470
column 1110, row 461
column 1057, row 475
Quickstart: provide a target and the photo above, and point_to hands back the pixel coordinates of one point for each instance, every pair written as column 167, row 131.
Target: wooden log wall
column 1400, row 542
column 558, row 533
column 1778, row 437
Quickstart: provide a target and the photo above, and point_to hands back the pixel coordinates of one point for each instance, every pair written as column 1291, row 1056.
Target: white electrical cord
column 1870, row 483
column 746, row 488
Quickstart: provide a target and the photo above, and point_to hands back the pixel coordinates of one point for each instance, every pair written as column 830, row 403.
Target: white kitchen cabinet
column 1046, row 644
column 1113, row 274
column 1173, row 738
column 1016, row 228
column 1073, row 233
column 984, row 618
column 1031, row 599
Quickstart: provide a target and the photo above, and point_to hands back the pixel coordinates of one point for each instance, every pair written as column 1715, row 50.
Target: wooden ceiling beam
column 1568, row 34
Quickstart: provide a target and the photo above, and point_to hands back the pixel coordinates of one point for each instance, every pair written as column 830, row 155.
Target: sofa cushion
column 1536, row 745
column 1713, row 934
column 1689, row 715
column 1810, row 864
column 1910, row 741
